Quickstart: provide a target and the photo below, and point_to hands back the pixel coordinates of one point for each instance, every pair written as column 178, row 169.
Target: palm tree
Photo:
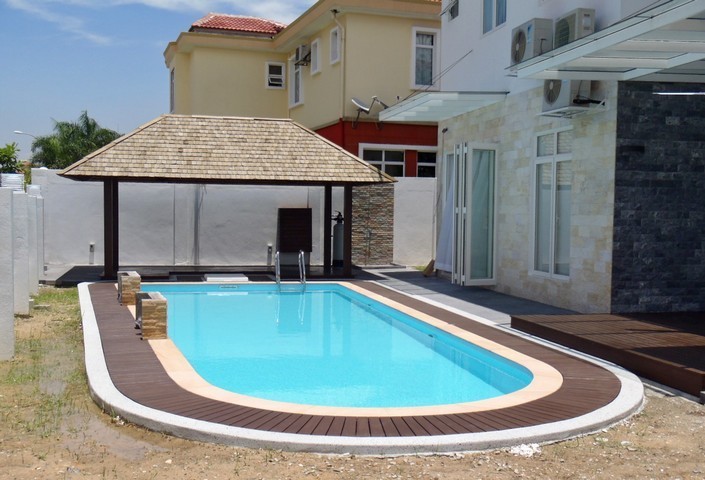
column 70, row 142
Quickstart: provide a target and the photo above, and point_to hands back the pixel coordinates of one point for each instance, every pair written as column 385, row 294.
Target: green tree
column 70, row 142
column 8, row 158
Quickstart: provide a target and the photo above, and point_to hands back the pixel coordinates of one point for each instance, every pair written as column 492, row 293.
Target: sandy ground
column 50, row 428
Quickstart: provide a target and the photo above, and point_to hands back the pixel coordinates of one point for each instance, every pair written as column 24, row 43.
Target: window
column 335, row 45
column 494, row 14
column 552, row 208
column 172, row 93
column 275, row 75
column 296, row 83
column 389, row 161
column 453, row 10
column 425, row 58
column 426, row 166
column 315, row 57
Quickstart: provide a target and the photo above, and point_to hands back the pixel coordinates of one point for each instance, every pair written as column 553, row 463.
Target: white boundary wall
column 166, row 224
column 7, row 301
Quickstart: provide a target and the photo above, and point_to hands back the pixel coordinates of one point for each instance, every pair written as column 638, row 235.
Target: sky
column 61, row 57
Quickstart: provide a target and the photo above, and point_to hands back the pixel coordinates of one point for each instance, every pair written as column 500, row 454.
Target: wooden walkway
column 138, row 374
column 667, row 348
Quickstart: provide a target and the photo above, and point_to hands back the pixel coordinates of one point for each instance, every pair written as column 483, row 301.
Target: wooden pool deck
column 137, row 373
column 668, row 348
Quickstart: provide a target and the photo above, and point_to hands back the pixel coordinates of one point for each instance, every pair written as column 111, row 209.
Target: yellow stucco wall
column 224, row 82
column 379, row 55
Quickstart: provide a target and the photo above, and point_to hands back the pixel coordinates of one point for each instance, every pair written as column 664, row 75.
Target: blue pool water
column 328, row 346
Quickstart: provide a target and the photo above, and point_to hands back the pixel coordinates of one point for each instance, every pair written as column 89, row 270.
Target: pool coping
column 106, row 394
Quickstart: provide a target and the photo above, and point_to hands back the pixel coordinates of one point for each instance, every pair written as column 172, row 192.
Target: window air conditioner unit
column 565, row 98
column 531, row 39
column 574, row 25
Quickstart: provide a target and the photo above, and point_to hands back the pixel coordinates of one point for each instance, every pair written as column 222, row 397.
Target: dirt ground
column 50, row 428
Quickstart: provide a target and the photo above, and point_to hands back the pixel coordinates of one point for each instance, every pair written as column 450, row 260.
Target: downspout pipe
column 341, row 29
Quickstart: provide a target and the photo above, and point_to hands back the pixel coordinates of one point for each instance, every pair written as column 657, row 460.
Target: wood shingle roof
column 206, row 149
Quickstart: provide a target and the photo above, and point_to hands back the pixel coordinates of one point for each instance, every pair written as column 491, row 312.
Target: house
column 573, row 151
column 332, row 70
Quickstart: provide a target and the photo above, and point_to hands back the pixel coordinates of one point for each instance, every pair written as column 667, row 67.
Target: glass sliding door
column 474, row 215
column 482, row 215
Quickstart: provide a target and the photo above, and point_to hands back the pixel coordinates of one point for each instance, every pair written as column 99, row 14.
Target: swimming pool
column 328, row 346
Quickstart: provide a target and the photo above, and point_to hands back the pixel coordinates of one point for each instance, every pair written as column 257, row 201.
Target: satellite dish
column 362, row 106
column 376, row 99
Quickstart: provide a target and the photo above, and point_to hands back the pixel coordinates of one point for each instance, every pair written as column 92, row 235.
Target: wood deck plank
column 667, row 348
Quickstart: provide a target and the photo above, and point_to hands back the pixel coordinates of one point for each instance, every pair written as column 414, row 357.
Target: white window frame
column 268, row 75
column 553, row 160
column 297, row 79
column 494, row 21
column 335, row 46
column 316, row 56
column 427, row 164
column 436, row 51
column 397, row 147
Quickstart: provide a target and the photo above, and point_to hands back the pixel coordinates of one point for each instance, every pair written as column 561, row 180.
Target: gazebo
column 224, row 150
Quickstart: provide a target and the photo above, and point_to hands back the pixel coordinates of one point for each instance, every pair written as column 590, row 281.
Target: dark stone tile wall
column 659, row 219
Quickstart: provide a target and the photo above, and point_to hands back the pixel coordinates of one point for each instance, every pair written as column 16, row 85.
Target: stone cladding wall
column 373, row 225
column 659, row 219
column 511, row 127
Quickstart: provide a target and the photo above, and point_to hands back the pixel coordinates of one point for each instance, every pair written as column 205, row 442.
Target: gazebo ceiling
column 231, row 150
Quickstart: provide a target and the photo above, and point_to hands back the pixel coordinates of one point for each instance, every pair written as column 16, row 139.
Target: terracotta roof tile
column 238, row 23
column 202, row 149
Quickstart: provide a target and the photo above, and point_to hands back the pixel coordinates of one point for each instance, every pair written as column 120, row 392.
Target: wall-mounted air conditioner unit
column 531, row 39
column 574, row 25
column 566, row 97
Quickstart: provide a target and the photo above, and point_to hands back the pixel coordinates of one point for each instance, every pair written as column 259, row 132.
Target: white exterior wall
column 485, row 68
column 414, row 220
column 7, row 299
column 165, row 224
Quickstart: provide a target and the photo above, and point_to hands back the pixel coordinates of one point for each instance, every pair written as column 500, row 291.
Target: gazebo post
column 110, row 229
column 327, row 216
column 347, row 229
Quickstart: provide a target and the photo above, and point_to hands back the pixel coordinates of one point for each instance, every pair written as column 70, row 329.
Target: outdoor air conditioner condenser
column 561, row 94
column 531, row 39
column 576, row 24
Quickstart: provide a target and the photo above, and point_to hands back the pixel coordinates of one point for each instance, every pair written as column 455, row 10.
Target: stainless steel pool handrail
column 302, row 267
column 277, row 268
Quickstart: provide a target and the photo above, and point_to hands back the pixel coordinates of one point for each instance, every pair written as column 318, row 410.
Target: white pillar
column 40, row 238
column 33, row 278
column 21, row 256
column 7, row 300
column 36, row 191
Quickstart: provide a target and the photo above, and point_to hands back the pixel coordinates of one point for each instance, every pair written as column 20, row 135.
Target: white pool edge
column 629, row 401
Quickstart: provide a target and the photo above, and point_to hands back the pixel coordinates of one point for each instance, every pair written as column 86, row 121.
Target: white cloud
column 281, row 10
column 66, row 23
column 51, row 11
